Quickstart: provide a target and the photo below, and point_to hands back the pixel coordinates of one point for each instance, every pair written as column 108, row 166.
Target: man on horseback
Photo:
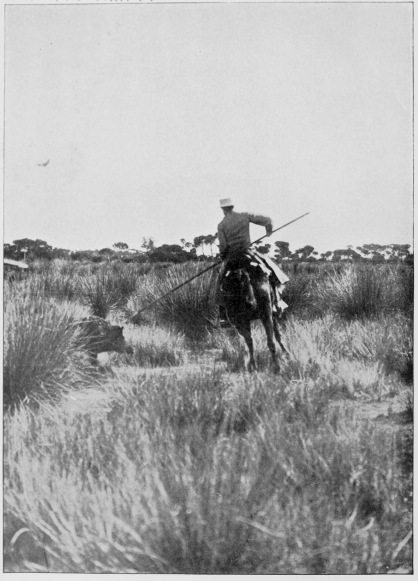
column 234, row 245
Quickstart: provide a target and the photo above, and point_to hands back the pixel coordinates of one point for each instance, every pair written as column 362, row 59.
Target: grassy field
column 176, row 460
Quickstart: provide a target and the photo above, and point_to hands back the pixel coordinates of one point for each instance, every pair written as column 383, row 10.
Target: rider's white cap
column 225, row 202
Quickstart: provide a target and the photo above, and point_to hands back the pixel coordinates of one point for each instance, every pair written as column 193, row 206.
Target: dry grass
column 204, row 468
column 358, row 359
column 154, row 346
column 304, row 488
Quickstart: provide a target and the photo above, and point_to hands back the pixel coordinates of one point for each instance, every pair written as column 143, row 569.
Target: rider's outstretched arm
column 262, row 221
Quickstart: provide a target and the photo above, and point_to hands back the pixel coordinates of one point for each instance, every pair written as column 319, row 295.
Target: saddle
column 240, row 262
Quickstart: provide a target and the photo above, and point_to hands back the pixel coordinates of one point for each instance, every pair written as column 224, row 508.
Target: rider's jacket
column 234, row 232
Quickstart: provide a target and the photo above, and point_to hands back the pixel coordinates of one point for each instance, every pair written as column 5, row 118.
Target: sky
column 147, row 114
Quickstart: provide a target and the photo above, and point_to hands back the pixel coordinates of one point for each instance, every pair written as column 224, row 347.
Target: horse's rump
column 237, row 287
column 253, row 273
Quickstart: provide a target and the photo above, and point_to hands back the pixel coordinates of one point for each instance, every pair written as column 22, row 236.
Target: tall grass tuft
column 189, row 309
column 41, row 357
column 123, row 280
column 60, row 285
column 385, row 340
column 358, row 291
column 299, row 294
column 99, row 293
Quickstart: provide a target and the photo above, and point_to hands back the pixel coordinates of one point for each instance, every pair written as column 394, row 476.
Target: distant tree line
column 203, row 247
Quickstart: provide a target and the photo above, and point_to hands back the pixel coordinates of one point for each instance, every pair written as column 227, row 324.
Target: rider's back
column 234, row 231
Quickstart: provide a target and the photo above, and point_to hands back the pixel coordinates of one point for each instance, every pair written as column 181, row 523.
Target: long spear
column 277, row 229
column 135, row 319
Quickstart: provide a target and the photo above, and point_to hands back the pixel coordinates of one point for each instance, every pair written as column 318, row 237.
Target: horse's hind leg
column 277, row 334
column 267, row 320
column 244, row 329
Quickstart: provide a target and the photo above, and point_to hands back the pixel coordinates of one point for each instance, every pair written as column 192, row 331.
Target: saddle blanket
column 268, row 266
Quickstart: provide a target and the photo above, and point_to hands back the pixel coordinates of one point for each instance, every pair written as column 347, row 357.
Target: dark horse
column 249, row 295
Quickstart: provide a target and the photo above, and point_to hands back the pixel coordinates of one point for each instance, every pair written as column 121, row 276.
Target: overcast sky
column 148, row 114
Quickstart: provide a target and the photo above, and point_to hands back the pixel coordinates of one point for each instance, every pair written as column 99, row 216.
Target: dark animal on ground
column 98, row 336
column 249, row 294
